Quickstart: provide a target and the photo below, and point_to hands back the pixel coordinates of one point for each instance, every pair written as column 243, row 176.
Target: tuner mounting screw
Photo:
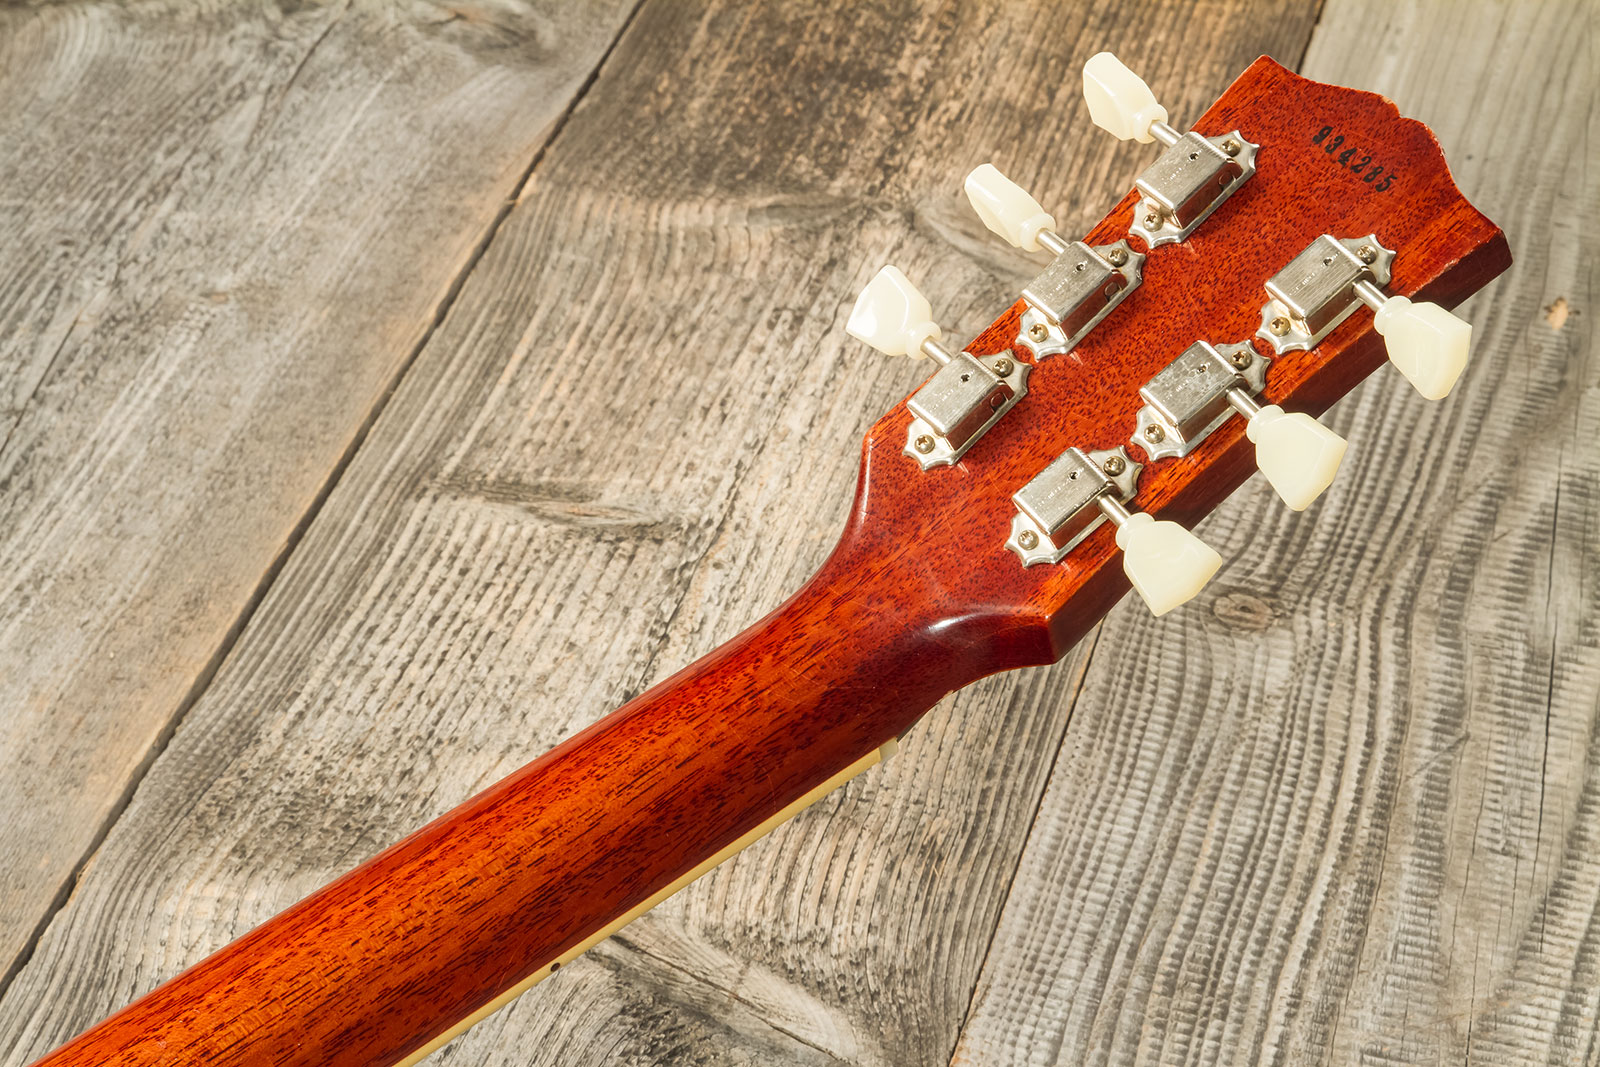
column 1002, row 366
column 1154, row 432
column 1152, row 221
column 1038, row 331
column 1241, row 358
column 1366, row 254
column 1114, row 465
column 1279, row 326
column 1117, row 257
column 1231, row 147
column 924, row 443
column 1028, row 540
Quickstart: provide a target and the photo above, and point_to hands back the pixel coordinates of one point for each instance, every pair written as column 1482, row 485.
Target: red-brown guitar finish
column 919, row 599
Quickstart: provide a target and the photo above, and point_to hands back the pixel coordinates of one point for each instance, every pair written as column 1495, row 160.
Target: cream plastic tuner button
column 893, row 317
column 1297, row 454
column 1425, row 342
column 1006, row 208
column 1167, row 564
column 1119, row 101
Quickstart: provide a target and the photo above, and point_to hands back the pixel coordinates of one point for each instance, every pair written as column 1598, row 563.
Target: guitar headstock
column 1226, row 301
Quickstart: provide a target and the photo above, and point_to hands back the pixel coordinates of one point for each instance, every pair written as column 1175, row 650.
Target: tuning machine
column 1077, row 492
column 964, row 397
column 1082, row 286
column 1196, row 392
column 1190, row 179
column 1193, row 394
column 1325, row 284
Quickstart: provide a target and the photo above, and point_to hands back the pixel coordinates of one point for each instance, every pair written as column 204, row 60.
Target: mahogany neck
column 373, row 968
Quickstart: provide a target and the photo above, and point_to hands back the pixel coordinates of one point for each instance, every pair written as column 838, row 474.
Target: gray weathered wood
column 224, row 234
column 633, row 434
column 1344, row 809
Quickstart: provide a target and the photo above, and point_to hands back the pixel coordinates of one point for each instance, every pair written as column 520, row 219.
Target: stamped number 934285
column 1354, row 159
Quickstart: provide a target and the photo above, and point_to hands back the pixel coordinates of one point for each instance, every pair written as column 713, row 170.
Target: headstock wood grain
column 944, row 529
column 920, row 597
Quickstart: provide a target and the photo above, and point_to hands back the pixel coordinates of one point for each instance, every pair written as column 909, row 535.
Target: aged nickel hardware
column 1166, row 564
column 1320, row 288
column 956, row 406
column 1082, row 286
column 1068, row 499
column 1194, row 393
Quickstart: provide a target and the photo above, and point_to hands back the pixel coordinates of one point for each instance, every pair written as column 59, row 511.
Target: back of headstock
column 1237, row 275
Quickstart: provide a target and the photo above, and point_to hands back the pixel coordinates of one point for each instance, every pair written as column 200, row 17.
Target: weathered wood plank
column 1344, row 808
column 636, row 431
column 225, row 233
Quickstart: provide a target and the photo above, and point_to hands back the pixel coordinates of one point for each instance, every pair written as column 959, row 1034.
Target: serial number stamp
column 1354, row 160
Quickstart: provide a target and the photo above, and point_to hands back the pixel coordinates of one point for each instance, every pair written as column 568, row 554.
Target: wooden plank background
column 333, row 486
column 226, row 234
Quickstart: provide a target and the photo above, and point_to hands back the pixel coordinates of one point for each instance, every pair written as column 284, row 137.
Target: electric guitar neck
column 1297, row 238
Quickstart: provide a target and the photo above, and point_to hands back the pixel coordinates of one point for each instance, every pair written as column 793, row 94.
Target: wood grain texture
column 1348, row 813
column 226, row 230
column 626, row 523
